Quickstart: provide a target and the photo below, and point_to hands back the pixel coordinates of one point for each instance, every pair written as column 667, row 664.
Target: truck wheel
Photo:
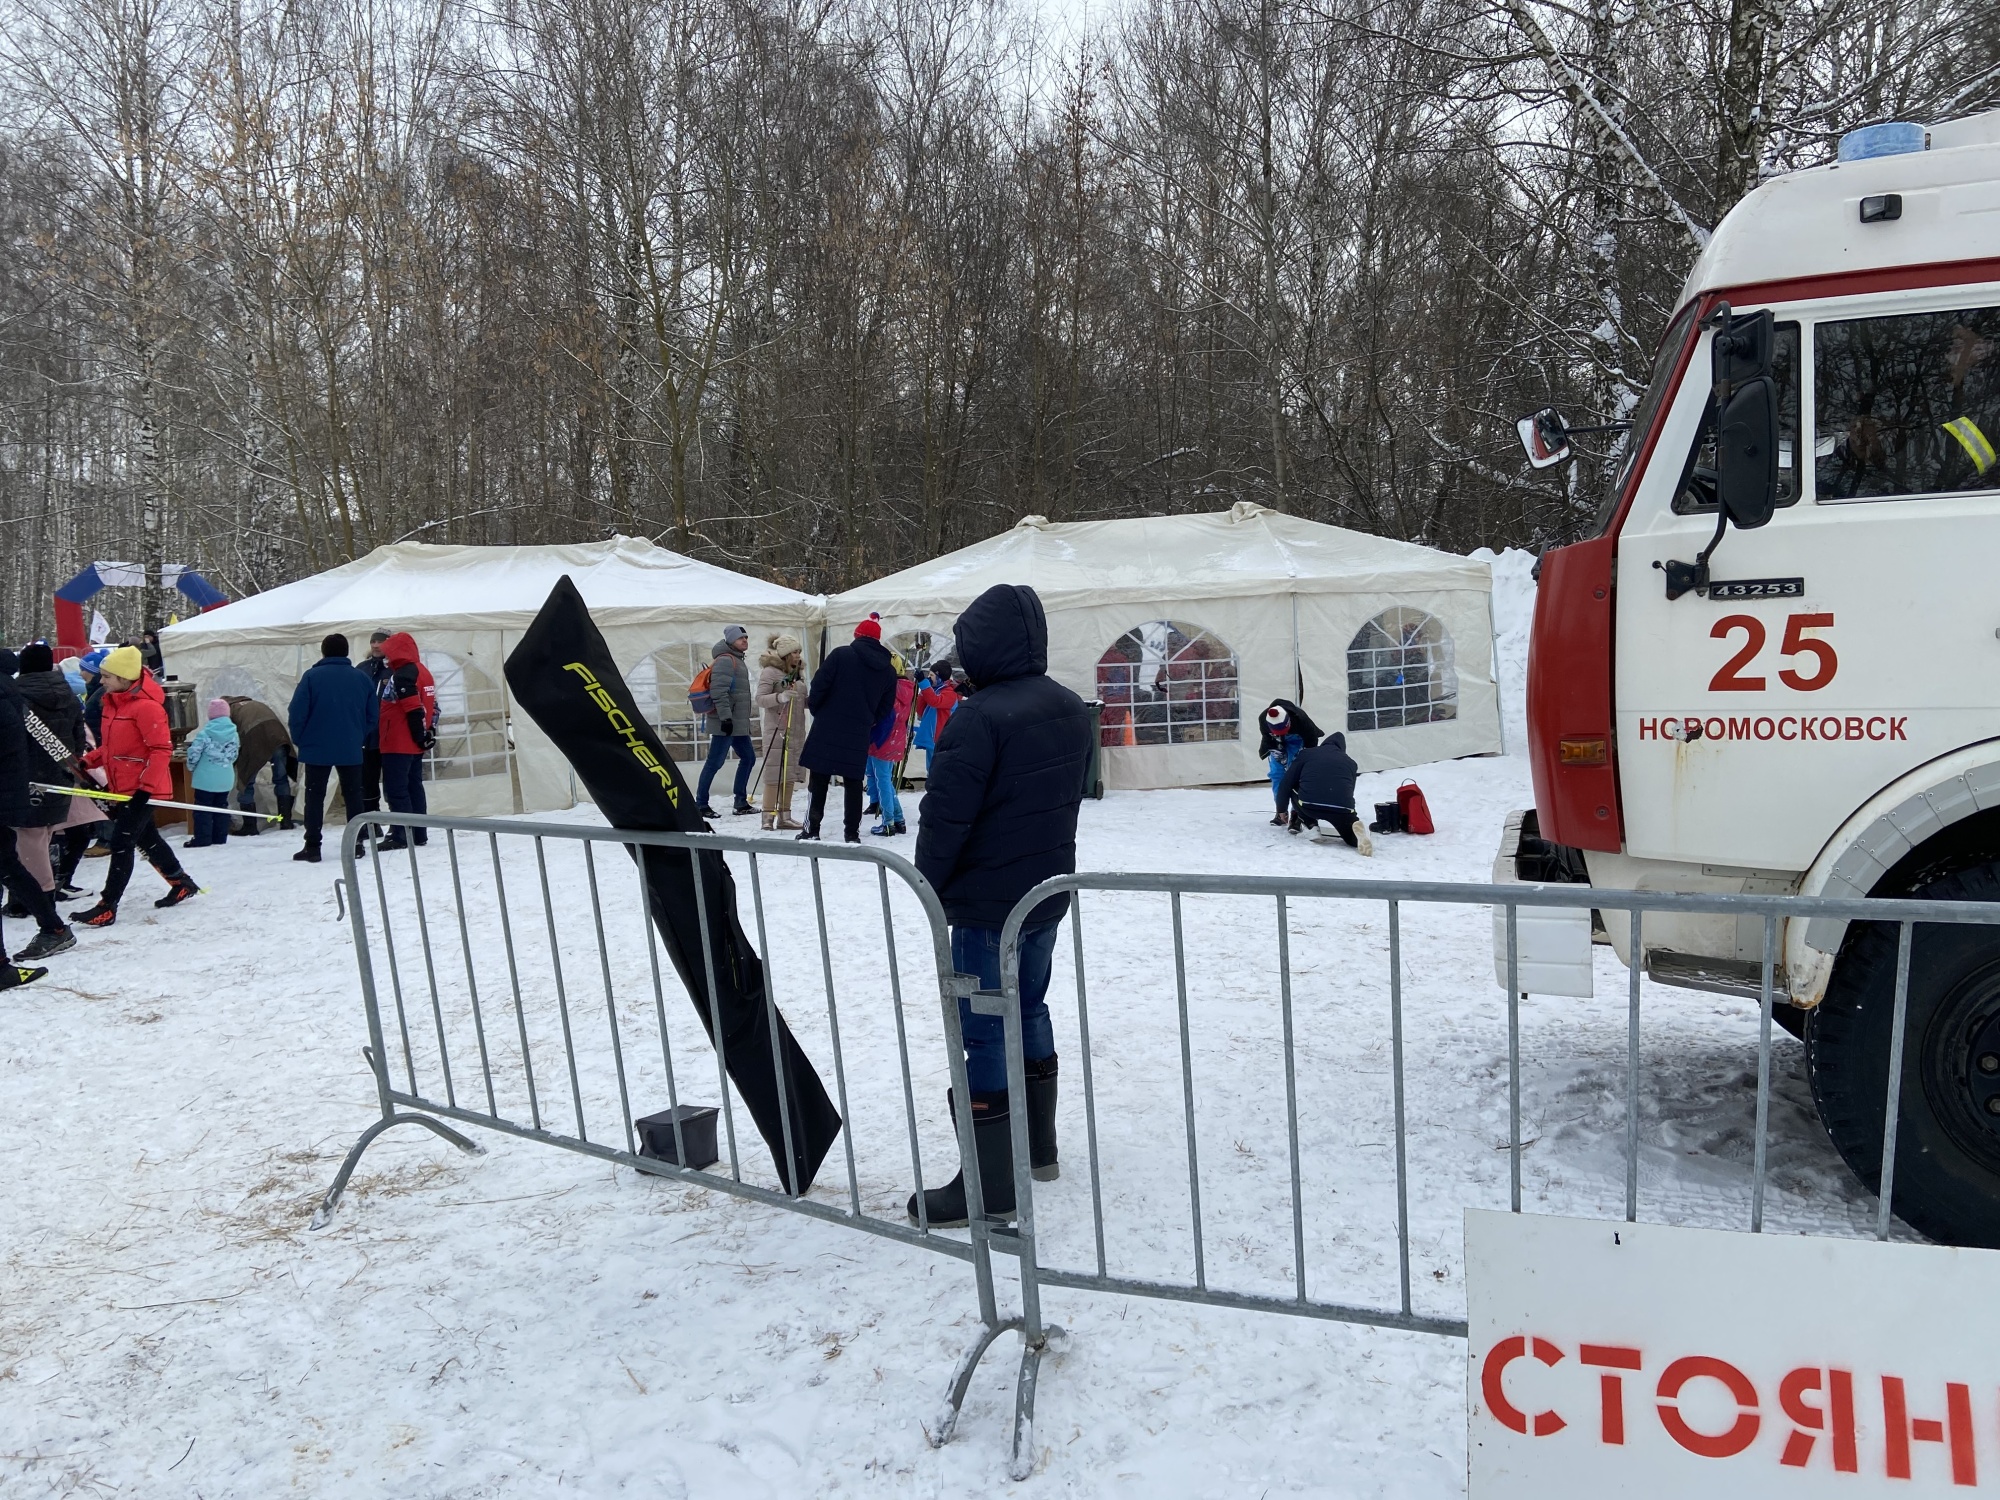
column 1948, row 1142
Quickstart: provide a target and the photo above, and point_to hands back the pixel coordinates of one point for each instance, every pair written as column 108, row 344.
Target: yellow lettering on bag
column 622, row 725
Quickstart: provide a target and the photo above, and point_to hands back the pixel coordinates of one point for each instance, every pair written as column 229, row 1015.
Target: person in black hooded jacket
column 998, row 817
column 15, row 809
column 1318, row 787
column 853, row 688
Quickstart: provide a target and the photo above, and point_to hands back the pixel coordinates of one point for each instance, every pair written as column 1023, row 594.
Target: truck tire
column 1948, row 1141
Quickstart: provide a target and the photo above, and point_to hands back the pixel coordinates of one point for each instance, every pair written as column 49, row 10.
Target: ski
column 103, row 796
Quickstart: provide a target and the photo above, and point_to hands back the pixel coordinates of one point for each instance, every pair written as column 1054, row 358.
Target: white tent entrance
column 467, row 608
column 1186, row 626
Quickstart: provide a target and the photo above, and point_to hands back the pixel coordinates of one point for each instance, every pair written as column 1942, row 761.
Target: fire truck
column 1774, row 663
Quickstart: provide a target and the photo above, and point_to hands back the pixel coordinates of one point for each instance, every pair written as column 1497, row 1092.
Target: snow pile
column 532, row 1322
column 1513, row 619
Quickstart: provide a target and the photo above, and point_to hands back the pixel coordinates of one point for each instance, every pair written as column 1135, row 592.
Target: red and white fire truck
column 1775, row 665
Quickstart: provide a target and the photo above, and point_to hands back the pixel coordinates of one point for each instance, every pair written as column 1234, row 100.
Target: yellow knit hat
column 125, row 662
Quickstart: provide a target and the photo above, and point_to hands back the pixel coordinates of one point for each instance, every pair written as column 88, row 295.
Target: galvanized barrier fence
column 1026, row 1239
column 441, row 984
column 1309, row 1238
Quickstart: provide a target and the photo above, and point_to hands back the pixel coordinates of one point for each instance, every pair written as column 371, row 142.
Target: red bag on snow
column 1415, row 811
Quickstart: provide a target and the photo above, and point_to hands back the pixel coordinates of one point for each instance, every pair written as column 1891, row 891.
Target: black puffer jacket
column 1322, row 777
column 853, row 688
column 47, row 695
column 1002, row 790
column 1308, row 732
column 15, row 809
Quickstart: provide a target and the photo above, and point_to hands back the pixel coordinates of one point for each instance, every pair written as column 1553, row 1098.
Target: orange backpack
column 700, row 699
column 1415, row 812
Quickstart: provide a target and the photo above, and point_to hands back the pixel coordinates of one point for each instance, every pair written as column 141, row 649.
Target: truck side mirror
column 1746, row 453
column 1545, row 437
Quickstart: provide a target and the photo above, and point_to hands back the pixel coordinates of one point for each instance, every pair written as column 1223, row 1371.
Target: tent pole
column 1298, row 667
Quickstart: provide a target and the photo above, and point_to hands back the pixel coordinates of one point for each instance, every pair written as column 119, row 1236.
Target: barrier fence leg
column 323, row 1215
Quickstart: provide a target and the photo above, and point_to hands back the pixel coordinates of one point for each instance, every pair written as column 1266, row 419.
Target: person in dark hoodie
column 1318, row 787
column 53, row 721
column 998, row 817
column 18, row 806
column 853, row 688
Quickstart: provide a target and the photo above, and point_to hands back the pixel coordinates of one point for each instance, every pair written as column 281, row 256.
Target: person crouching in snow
column 999, row 817
column 886, row 748
column 1285, row 732
column 1318, row 787
column 135, row 756
column 211, row 761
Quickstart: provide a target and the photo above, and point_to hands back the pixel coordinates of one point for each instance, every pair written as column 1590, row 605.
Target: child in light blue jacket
column 211, row 759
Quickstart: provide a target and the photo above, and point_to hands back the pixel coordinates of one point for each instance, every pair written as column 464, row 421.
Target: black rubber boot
column 1042, row 1118
column 945, row 1207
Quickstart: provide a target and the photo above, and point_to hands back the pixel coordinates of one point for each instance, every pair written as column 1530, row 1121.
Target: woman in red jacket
column 134, row 754
column 409, row 728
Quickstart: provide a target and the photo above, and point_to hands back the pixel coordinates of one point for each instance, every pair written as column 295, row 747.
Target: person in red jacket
column 134, row 755
column 409, row 729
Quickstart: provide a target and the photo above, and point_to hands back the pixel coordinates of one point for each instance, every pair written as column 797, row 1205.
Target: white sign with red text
column 1645, row 1361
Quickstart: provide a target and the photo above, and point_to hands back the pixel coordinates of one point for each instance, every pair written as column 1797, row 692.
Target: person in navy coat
column 332, row 710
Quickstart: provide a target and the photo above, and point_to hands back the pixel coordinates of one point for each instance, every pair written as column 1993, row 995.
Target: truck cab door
column 1851, row 638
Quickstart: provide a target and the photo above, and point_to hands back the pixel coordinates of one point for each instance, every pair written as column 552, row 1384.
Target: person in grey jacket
column 729, row 723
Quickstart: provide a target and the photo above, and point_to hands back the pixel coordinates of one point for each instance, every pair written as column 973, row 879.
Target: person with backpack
column 135, row 757
column 853, row 688
column 20, row 807
column 374, row 666
column 1285, row 730
column 886, row 749
column 781, row 701
column 407, row 726
column 999, row 817
column 727, row 720
column 1318, row 787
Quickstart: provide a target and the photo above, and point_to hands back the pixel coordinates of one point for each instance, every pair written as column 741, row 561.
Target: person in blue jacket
column 211, row 761
column 332, row 711
column 999, row 817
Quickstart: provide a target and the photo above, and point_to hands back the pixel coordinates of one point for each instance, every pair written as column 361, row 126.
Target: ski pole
column 102, row 796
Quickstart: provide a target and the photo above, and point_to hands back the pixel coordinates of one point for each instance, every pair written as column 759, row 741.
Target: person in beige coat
column 781, row 705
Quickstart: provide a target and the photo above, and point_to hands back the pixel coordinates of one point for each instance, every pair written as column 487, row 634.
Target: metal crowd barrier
column 551, row 1019
column 1039, row 1269
column 539, row 1056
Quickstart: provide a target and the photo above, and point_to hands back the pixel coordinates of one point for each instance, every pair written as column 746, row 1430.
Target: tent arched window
column 1400, row 671
column 472, row 738
column 1168, row 683
column 659, row 684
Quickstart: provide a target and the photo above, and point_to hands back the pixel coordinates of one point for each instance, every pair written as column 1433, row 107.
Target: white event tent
column 1186, row 626
column 467, row 607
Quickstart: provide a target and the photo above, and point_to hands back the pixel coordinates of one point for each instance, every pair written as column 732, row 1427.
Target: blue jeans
column 976, row 951
column 882, row 787
column 719, row 746
column 212, row 827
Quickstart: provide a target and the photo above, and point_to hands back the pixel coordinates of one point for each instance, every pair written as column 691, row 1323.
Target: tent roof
column 406, row 584
column 1246, row 550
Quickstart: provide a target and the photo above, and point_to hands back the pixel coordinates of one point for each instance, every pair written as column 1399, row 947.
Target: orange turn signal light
column 1583, row 752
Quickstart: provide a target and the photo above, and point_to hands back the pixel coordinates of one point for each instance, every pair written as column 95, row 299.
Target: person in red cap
column 852, row 690
column 1285, row 732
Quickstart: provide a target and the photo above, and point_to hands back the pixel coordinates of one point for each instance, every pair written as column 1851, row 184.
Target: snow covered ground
column 180, row 1090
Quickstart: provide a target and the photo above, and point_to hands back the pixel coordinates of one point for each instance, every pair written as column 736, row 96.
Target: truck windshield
column 1648, row 411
